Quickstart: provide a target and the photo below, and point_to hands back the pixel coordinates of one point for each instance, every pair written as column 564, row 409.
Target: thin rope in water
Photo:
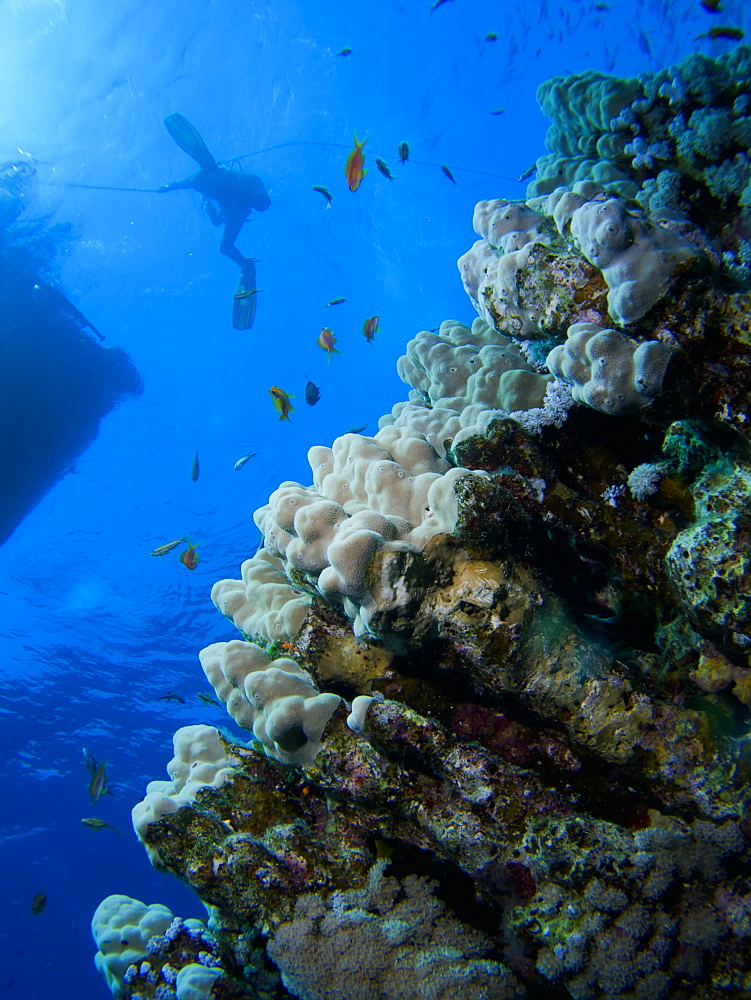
column 286, row 145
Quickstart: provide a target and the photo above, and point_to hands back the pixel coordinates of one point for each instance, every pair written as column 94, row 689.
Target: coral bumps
column 494, row 662
column 678, row 142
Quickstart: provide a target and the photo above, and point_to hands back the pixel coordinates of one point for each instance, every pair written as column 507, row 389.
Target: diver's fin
column 188, row 138
column 244, row 302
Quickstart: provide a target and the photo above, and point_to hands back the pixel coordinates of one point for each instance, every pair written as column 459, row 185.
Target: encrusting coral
column 677, row 141
column 146, row 951
column 496, row 659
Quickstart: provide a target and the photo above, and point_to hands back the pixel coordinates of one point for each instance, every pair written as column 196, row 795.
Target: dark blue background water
column 94, row 631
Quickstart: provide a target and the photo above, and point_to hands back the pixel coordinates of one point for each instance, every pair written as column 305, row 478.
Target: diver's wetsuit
column 230, row 196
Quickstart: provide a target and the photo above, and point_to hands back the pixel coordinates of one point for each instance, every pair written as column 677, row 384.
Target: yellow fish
column 162, row 550
column 282, row 402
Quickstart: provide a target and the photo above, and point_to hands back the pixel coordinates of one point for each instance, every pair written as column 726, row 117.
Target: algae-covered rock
column 496, row 659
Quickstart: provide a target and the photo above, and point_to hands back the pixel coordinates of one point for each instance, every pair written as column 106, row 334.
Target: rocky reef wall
column 496, row 659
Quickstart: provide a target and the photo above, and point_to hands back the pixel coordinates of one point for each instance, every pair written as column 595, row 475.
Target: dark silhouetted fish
column 312, row 393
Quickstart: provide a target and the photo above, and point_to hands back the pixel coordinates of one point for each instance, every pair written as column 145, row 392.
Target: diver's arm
column 188, row 182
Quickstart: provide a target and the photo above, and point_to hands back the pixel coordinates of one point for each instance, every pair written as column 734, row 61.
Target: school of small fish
column 355, row 172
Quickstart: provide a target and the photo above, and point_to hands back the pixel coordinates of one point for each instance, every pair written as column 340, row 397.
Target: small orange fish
column 97, row 777
column 326, row 341
column 189, row 558
column 370, row 328
column 282, row 402
column 39, row 902
column 354, row 168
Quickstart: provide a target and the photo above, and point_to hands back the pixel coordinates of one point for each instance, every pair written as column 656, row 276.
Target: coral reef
column 677, row 141
column 388, row 493
column 496, row 659
column 148, row 952
column 609, row 372
column 276, row 699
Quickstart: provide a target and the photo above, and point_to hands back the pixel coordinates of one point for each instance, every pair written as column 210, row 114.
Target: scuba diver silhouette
column 229, row 197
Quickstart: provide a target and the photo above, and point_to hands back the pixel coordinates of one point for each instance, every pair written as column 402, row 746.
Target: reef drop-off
column 496, row 659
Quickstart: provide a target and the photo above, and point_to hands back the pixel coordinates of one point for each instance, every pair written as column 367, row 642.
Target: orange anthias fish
column 97, row 777
column 326, row 341
column 189, row 558
column 282, row 402
column 354, row 168
column 370, row 328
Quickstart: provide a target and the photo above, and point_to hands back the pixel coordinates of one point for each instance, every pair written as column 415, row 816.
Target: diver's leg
column 232, row 226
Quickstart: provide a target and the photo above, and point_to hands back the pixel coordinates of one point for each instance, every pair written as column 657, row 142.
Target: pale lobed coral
column 276, row 699
column 677, row 141
column 146, row 951
column 392, row 492
column 195, row 982
column 459, row 367
column 200, row 760
column 121, row 928
column 608, row 371
column 277, row 607
column 637, row 259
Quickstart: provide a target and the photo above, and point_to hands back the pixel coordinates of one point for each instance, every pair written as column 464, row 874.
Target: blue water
column 94, row 630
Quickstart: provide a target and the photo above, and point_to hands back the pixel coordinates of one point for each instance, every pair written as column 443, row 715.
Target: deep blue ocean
column 94, row 630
